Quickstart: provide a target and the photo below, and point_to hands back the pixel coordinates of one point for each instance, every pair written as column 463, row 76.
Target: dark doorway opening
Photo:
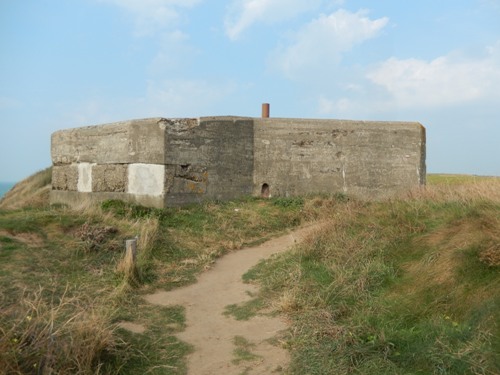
column 265, row 192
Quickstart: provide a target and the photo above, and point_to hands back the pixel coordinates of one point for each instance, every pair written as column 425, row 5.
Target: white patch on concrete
column 146, row 179
column 306, row 173
column 85, row 177
column 266, row 142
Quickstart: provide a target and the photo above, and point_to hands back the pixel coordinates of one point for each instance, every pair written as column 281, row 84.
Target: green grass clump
column 243, row 350
column 245, row 310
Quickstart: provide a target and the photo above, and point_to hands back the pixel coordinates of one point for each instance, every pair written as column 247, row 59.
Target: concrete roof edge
column 234, row 118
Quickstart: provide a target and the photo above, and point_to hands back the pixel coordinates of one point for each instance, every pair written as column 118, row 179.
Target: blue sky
column 66, row 64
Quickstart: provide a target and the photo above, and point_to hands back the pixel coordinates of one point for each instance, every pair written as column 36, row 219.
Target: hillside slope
column 410, row 285
column 30, row 192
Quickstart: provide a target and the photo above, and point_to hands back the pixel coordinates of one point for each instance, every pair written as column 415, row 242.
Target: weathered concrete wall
column 366, row 159
column 123, row 160
column 110, row 178
column 65, row 177
column 209, row 158
column 168, row 162
column 136, row 141
column 72, row 198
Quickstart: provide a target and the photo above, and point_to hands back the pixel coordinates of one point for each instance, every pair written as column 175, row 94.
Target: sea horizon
column 5, row 187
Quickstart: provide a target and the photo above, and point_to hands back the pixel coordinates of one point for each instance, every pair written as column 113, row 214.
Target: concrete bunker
column 162, row 162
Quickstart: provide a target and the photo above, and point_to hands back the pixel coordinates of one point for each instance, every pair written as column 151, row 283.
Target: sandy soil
column 212, row 333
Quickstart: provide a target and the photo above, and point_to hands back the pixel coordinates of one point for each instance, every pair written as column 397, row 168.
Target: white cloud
column 153, row 15
column 244, row 13
column 414, row 86
column 321, row 43
column 446, row 80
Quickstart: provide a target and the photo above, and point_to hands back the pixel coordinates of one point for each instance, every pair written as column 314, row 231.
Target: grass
column 246, row 310
column 456, row 179
column 404, row 286
column 65, row 335
column 31, row 192
column 58, row 261
column 242, row 351
column 156, row 350
column 395, row 287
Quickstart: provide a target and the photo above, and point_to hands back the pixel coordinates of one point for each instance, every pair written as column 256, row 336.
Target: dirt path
column 212, row 333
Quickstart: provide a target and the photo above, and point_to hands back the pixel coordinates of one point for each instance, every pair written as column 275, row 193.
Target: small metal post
column 265, row 110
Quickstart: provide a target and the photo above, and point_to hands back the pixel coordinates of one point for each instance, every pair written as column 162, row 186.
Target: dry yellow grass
column 69, row 336
column 472, row 189
column 31, row 192
column 129, row 267
column 186, row 241
column 405, row 285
